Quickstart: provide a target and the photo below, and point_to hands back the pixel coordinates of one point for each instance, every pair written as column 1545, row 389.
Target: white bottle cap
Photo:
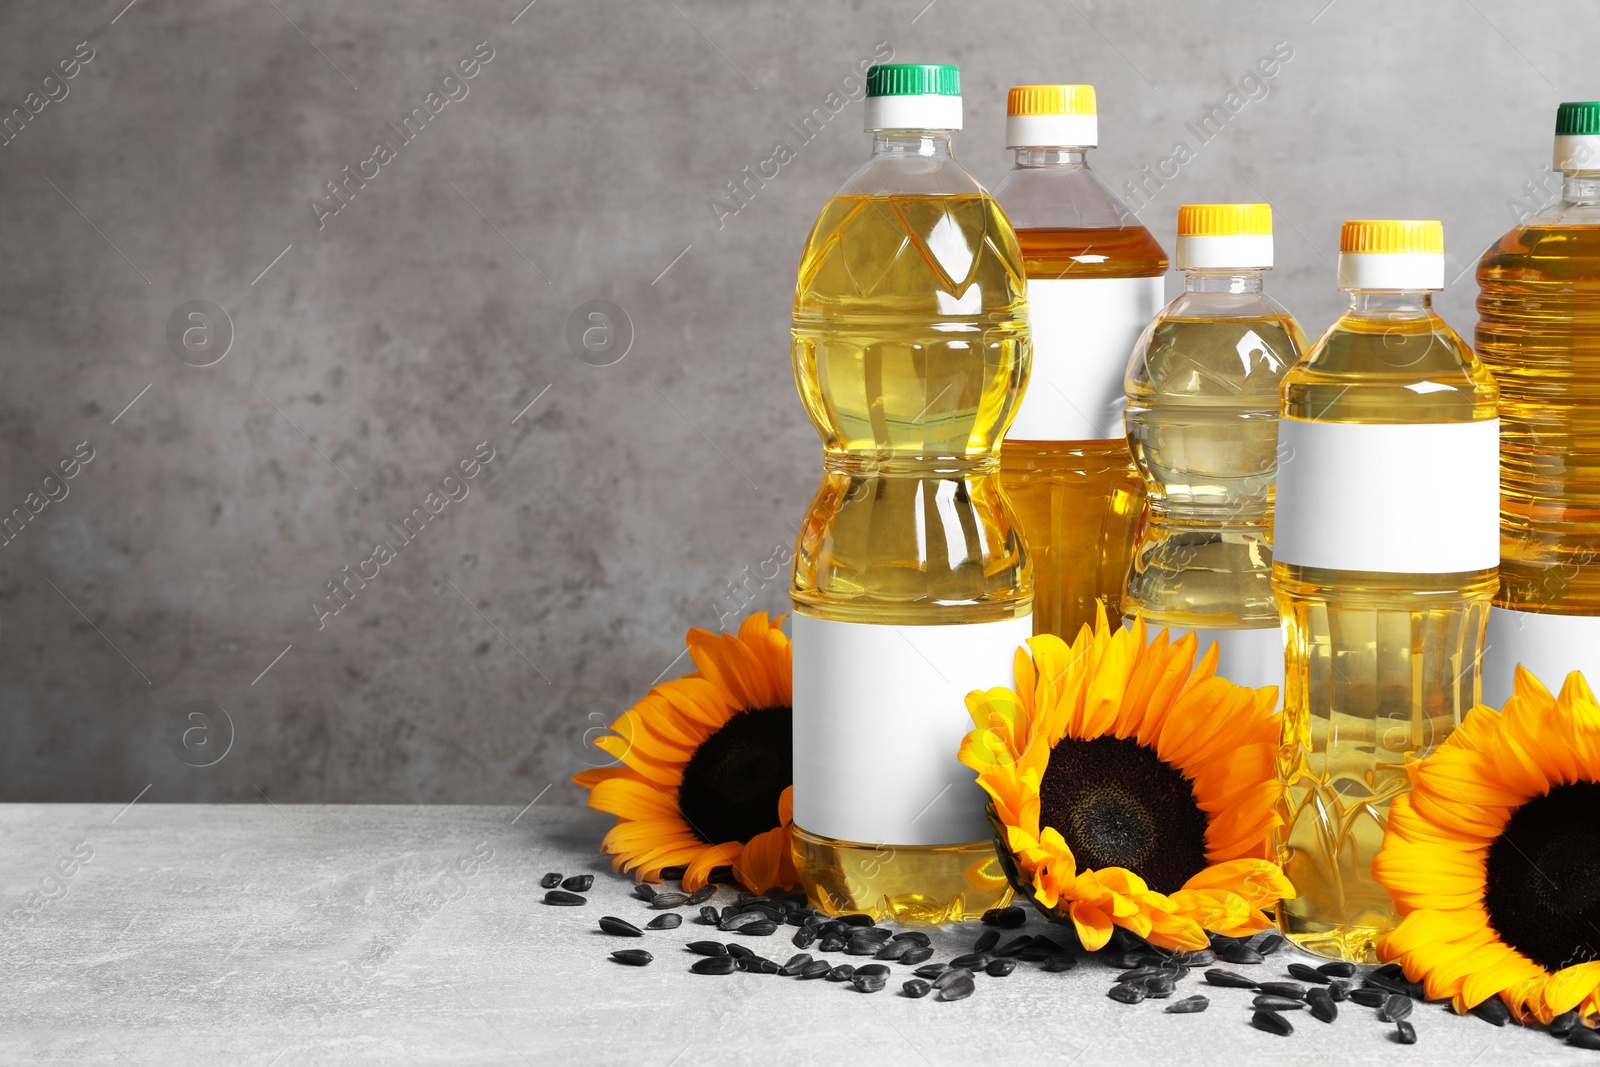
column 1391, row 254
column 1223, row 236
column 913, row 96
column 1051, row 116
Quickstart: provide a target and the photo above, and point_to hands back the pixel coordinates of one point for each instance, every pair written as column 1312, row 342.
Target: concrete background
column 372, row 353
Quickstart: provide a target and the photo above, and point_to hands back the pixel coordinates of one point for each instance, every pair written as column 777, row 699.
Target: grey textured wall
column 372, row 350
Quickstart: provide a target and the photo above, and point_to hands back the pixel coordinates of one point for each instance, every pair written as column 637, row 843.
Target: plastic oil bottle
column 1385, row 547
column 1539, row 333
column 1202, row 424
column 911, row 583
column 1094, row 282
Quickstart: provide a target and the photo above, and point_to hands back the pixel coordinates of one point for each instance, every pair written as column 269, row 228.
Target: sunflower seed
column 895, row 950
column 1396, row 1007
column 857, row 919
column 1237, row 953
column 579, row 883
column 1005, row 917
column 1339, row 990
column 916, row 954
column 1307, row 973
column 931, row 970
column 1338, row 969
column 757, row 965
column 1583, row 1037
column 1368, row 996
column 1158, row 988
column 986, row 940
column 720, row 876
column 872, row 968
column 670, row 921
column 1392, row 978
column 1273, row 1002
column 1035, row 954
column 1128, row 961
column 761, row 907
column 710, row 916
column 1272, row 1023
column 972, row 961
column 872, row 935
column 550, row 881
column 1231, row 979
column 1000, row 968
column 950, row 974
column 1060, row 962
column 740, row 919
column 913, row 935
column 644, row 891
column 958, row 989
column 714, row 965
column 1139, row 974
column 1269, row 944
column 1405, row 1033
column 738, row 952
column 868, row 983
column 674, row 874
column 1283, row 989
column 1320, row 1001
column 1562, row 1024
column 1189, row 1005
column 662, row 901
column 915, row 988
column 701, row 895
column 633, row 957
column 1126, row 992
column 1203, row 957
column 621, row 927
column 842, row 973
column 564, row 899
column 857, row 947
column 1015, row 947
column 814, row 969
column 831, row 944
column 833, row 928
column 707, row 948
column 1492, row 1011
column 796, row 962
column 804, row 937
column 798, row 917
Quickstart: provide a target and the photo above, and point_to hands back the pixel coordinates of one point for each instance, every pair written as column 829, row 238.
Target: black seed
column 1307, row 973
column 798, row 916
column 633, row 957
column 1129, row 960
column 1015, row 947
column 738, row 951
column 1269, row 944
column 814, row 969
column 931, row 970
column 562, row 898
column 1189, row 1005
column 814, row 922
column 1395, row 1007
column 1339, row 989
column 670, row 921
column 1042, row 941
column 721, row 876
column 868, row 983
column 1272, row 1023
column 856, row 919
column 1035, row 954
column 842, row 973
column 1273, row 1002
column 972, row 961
column 1199, row 958
column 1005, row 917
column 1283, row 989
column 831, row 944
column 756, row 964
column 796, row 962
column 707, row 948
column 1391, row 978
column 662, row 901
column 872, row 968
column 1338, row 969
column 550, row 881
column 1493, row 1011
column 1139, row 974
column 741, row 919
column 854, row 947
column 710, row 916
column 1368, row 996
column 621, row 927
column 876, row 934
column 913, row 935
column 1405, row 1033
column 579, row 883
column 917, row 954
column 1320, row 1001
column 1562, row 1024
column 1060, row 962
column 1126, row 992
column 1583, row 1037
column 896, row 950
column 764, row 909
column 959, row 989
column 986, row 940
column 674, row 874
column 950, row 974
column 714, row 965
column 1237, row 953
column 915, row 988
column 1000, row 968
column 833, row 928
column 804, row 937
column 644, row 891
column 1231, row 979
column 1158, row 988
column 703, row 894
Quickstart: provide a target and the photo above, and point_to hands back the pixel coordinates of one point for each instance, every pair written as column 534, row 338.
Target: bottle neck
column 1580, row 187
column 1392, row 302
column 911, row 144
column 1228, row 280
column 1066, row 156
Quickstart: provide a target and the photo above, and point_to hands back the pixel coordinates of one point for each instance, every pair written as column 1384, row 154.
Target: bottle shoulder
column 1065, row 197
column 1219, row 347
column 1559, row 244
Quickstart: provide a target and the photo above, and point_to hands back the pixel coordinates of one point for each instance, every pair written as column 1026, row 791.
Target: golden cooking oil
column 1384, row 548
column 911, row 583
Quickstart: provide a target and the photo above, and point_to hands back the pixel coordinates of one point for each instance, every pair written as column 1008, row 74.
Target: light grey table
column 264, row 936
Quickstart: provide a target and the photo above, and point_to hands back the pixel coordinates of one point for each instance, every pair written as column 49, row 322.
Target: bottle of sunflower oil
column 1384, row 554
column 1539, row 333
column 1202, row 423
column 1094, row 282
column 911, row 585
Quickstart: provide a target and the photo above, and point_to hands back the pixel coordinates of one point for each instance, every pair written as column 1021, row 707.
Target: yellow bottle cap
column 1224, row 220
column 1050, row 100
column 1394, row 254
column 1391, row 235
column 1051, row 116
column 1224, row 237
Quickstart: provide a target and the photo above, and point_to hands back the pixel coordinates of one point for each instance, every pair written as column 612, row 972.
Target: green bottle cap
column 921, row 79
column 1578, row 119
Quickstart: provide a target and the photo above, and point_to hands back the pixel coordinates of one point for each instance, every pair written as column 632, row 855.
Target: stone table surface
column 279, row 935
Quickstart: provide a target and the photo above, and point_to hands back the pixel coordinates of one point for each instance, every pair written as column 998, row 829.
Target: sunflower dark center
column 732, row 783
column 1542, row 877
column 1118, row 805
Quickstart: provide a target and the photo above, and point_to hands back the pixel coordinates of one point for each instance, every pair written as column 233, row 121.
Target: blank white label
column 1409, row 498
column 879, row 715
column 1549, row 646
column 1084, row 330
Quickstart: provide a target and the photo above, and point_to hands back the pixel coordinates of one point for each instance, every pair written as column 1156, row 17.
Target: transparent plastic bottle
column 911, row 583
column 1202, row 424
column 1094, row 282
column 1539, row 334
column 1385, row 544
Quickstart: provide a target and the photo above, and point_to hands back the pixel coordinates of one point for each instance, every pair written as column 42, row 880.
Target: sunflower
column 704, row 766
column 1493, row 858
column 1127, row 791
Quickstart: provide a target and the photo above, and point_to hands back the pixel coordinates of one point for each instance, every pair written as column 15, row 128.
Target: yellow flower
column 705, row 766
column 1493, row 858
column 1127, row 791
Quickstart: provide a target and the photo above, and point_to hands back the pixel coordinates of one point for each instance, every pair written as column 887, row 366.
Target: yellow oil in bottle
column 1080, row 502
column 910, row 352
column 1380, row 665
